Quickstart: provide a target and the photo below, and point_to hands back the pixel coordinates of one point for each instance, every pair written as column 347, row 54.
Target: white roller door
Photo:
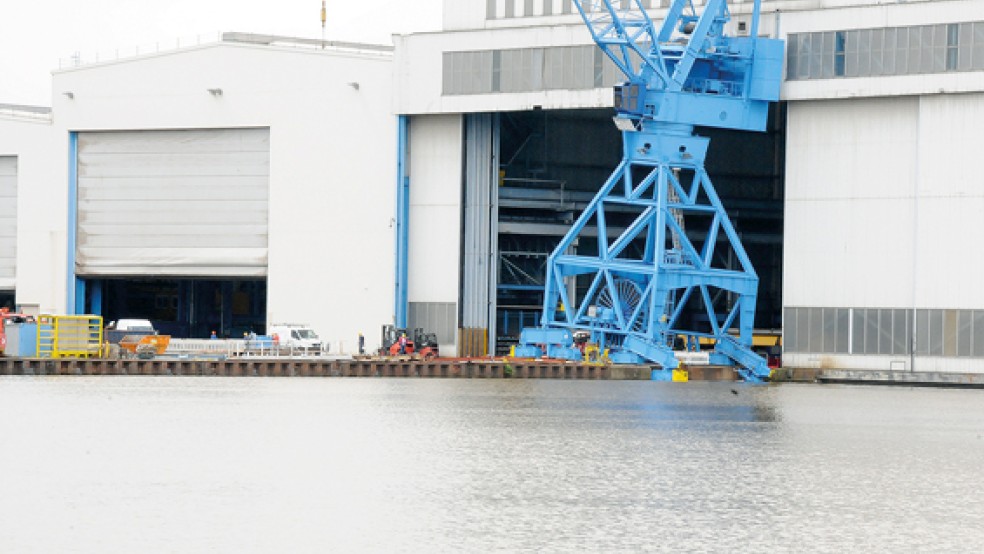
column 8, row 220
column 173, row 203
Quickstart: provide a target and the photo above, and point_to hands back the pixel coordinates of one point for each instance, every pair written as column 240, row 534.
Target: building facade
column 857, row 206
column 221, row 187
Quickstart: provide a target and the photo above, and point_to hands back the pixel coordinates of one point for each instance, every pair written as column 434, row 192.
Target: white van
column 296, row 337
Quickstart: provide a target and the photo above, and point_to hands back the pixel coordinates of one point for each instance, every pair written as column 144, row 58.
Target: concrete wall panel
column 42, row 178
column 850, row 177
column 435, row 208
column 332, row 168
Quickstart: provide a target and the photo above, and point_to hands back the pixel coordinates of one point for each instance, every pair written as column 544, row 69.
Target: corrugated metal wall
column 185, row 202
column 435, row 227
column 883, row 203
column 479, row 242
column 8, row 218
column 434, row 317
column 851, row 168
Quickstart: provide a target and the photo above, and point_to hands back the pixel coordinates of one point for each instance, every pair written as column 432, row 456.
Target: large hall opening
column 551, row 164
column 186, row 307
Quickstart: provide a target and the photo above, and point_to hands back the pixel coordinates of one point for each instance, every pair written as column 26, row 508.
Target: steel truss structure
column 631, row 290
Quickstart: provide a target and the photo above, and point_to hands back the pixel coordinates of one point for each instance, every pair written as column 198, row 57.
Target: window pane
column 888, row 52
column 965, row 46
column 877, row 37
column 934, row 48
column 977, row 55
column 843, row 317
column 851, row 54
column 864, row 53
column 803, row 64
column 871, row 331
column 816, row 329
column 884, row 331
column 936, row 332
column 977, row 332
column 803, row 329
column 829, row 330
column 789, row 334
column 950, row 333
column 901, row 51
column 828, row 55
column 900, row 331
column 857, row 338
column 917, row 50
column 792, row 49
column 535, row 68
column 922, row 332
column 965, row 322
column 840, row 47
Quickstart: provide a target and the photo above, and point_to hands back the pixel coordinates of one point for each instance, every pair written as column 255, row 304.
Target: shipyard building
column 262, row 179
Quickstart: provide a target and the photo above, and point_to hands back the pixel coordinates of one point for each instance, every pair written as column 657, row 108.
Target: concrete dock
column 902, row 378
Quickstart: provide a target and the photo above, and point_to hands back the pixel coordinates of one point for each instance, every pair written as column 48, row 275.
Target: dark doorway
column 7, row 299
column 553, row 162
column 185, row 308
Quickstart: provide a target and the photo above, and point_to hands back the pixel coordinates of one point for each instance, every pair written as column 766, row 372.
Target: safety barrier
column 257, row 346
column 206, row 347
column 69, row 336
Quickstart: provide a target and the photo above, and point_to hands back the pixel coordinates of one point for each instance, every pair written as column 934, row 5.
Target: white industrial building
column 222, row 186
column 427, row 185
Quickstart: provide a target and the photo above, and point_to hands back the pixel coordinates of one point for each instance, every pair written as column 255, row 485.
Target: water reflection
column 407, row 465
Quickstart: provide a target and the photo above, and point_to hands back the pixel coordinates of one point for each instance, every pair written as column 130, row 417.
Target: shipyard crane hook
column 632, row 290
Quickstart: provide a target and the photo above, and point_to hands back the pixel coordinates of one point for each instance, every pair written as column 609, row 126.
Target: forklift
column 419, row 345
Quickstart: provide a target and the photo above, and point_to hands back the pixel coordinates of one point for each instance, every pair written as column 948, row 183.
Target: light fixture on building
column 69, row 94
column 354, row 85
column 215, row 91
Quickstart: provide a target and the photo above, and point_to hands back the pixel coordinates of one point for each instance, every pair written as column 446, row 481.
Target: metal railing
column 35, row 113
column 69, row 336
column 78, row 59
column 229, row 348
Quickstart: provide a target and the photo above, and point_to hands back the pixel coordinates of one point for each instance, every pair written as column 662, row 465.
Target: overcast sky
column 37, row 35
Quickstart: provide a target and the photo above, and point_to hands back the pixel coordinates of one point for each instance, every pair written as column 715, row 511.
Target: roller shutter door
column 8, row 221
column 173, row 203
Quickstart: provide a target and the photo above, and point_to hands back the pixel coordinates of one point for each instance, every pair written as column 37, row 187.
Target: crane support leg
column 665, row 263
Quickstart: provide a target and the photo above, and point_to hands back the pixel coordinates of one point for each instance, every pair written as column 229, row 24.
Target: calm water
column 134, row 464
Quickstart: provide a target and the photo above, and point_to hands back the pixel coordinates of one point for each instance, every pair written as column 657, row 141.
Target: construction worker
column 403, row 343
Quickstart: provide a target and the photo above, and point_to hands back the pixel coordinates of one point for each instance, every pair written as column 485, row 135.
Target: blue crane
column 631, row 288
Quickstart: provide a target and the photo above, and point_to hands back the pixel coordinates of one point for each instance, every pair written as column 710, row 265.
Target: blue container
column 22, row 340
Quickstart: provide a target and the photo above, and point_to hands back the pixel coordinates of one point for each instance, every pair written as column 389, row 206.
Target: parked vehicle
column 418, row 345
column 136, row 337
column 297, row 337
column 116, row 330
